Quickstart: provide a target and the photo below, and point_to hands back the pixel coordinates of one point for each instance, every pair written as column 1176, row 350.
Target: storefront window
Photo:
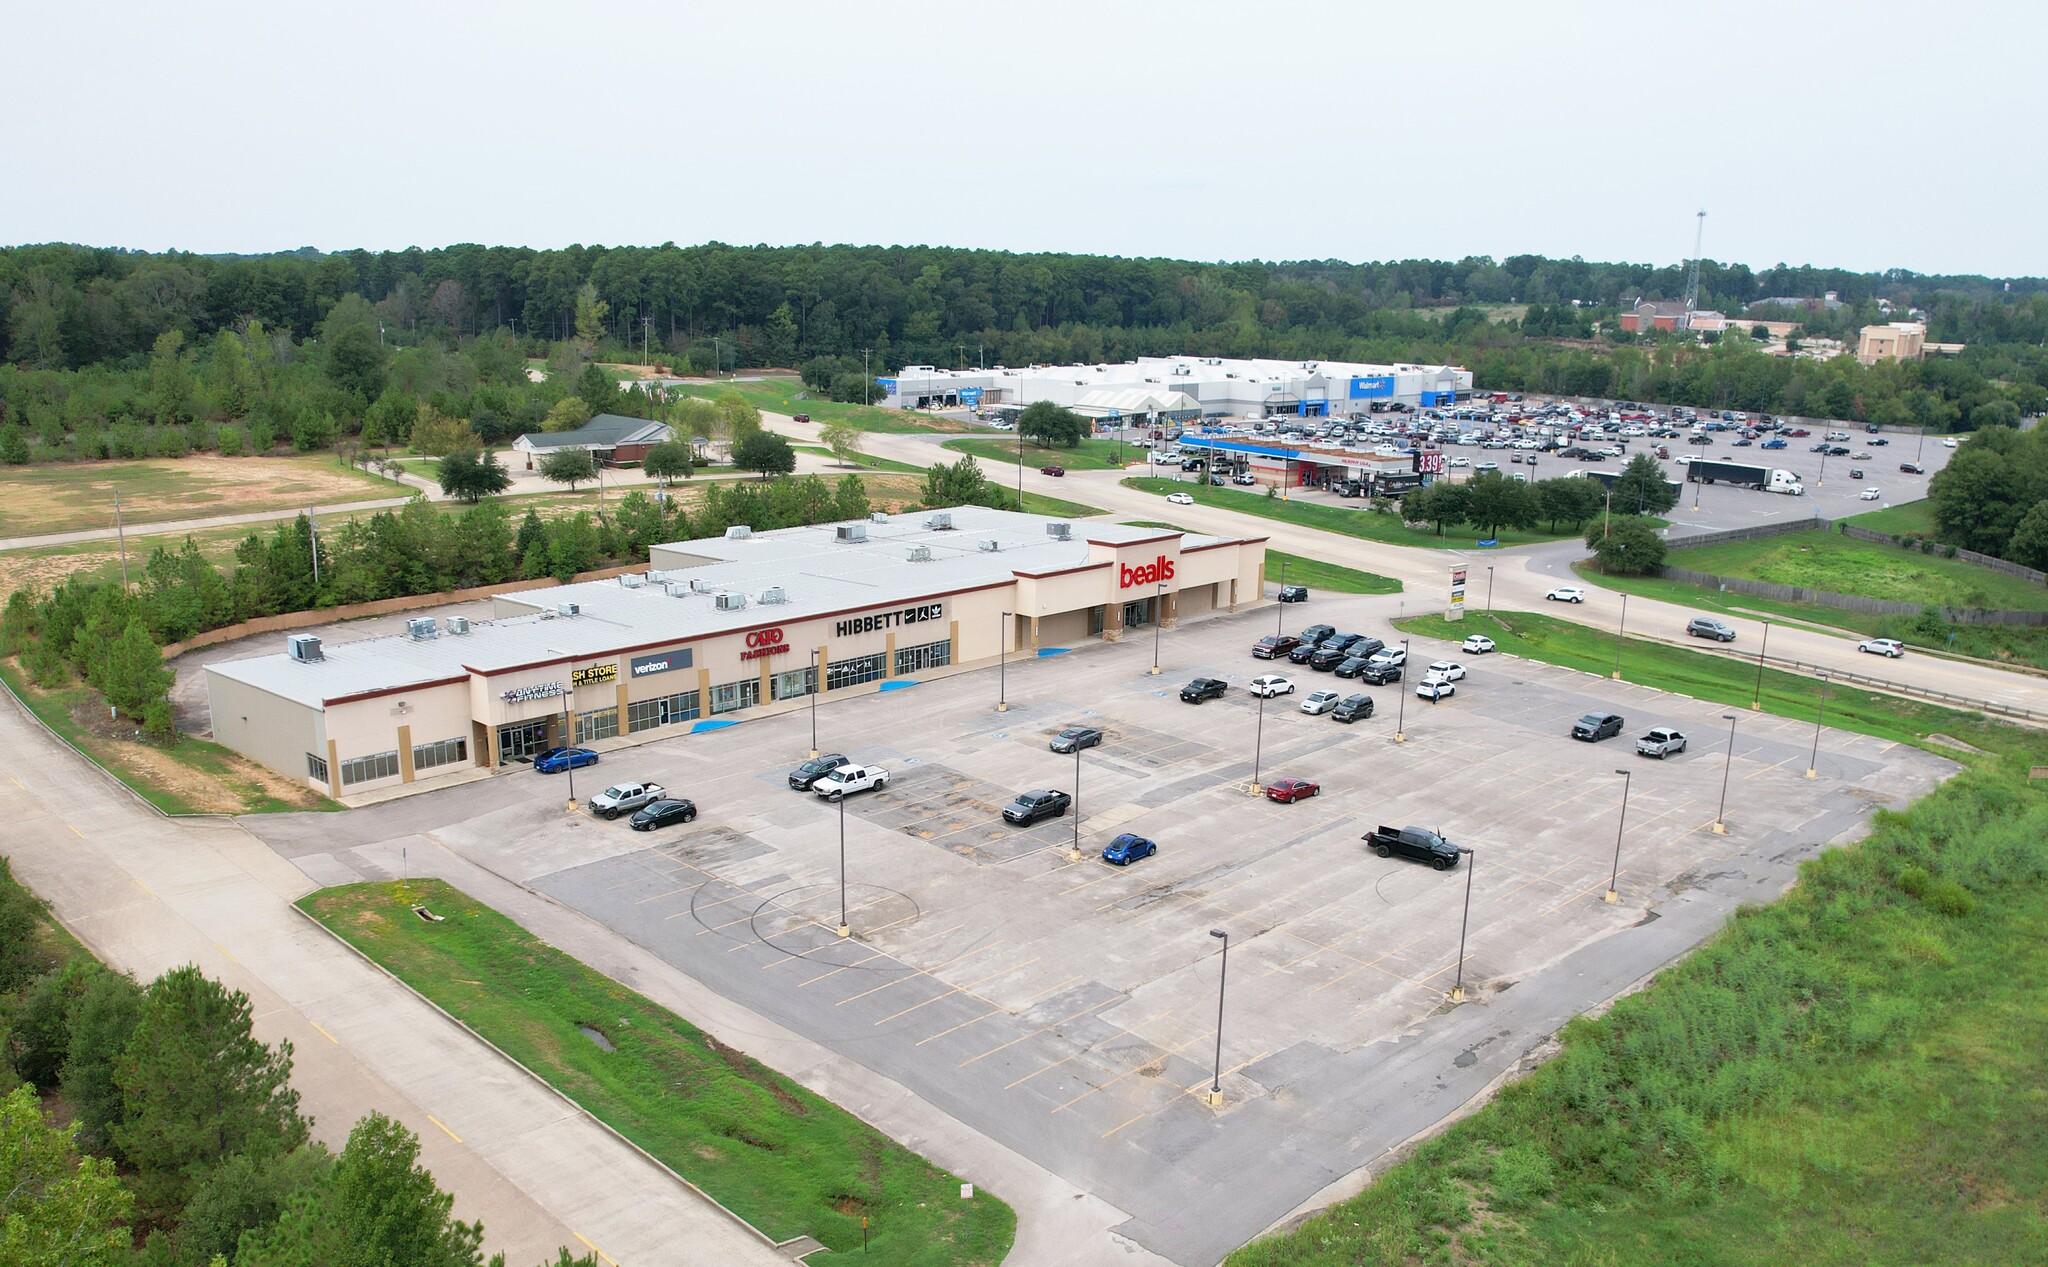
column 521, row 740
column 602, row 723
column 425, row 756
column 383, row 765
column 666, row 711
column 317, row 767
column 1095, row 621
column 853, row 672
column 794, row 684
column 917, row 659
column 731, row 697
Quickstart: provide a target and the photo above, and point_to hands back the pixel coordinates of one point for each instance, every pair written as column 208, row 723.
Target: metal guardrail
column 1896, row 688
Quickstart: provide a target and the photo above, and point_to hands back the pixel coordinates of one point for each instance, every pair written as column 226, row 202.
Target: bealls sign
column 1160, row 569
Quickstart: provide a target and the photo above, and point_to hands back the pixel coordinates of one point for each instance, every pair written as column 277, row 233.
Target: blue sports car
column 1127, row 849
column 556, row 760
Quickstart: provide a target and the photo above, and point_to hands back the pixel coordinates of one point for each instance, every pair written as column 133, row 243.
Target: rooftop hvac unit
column 940, row 521
column 991, row 545
column 304, row 648
column 422, row 628
column 548, row 613
column 920, row 554
column 656, row 578
column 878, row 516
column 632, row 580
column 677, row 589
column 571, row 609
column 458, row 625
column 773, row 594
column 738, row 532
column 1059, row 532
column 852, row 532
column 700, row 585
column 731, row 602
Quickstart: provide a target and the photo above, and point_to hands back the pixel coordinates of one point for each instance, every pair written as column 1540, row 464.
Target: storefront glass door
column 518, row 742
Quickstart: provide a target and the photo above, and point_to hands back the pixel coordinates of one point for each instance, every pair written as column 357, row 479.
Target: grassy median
column 1848, row 1075
column 1352, row 519
column 788, row 1161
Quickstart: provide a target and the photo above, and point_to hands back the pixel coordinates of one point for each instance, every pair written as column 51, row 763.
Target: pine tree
column 131, row 672
column 98, row 1027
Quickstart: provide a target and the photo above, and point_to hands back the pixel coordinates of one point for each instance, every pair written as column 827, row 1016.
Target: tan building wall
column 1897, row 341
column 266, row 728
column 396, row 721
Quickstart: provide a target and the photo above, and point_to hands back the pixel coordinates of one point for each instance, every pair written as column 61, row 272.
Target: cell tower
column 1692, row 279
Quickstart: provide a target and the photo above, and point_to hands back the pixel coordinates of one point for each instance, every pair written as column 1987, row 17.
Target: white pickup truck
column 620, row 797
column 848, row 779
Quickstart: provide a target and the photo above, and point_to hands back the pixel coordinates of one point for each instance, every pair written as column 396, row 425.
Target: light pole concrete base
column 1254, row 789
column 1215, row 1099
column 1457, row 994
column 1756, row 705
column 572, row 805
column 1155, row 670
column 1812, row 773
column 1611, row 897
column 845, row 931
column 1002, row 706
column 1720, row 828
column 814, row 754
column 1400, row 736
column 1073, row 855
column 1616, row 675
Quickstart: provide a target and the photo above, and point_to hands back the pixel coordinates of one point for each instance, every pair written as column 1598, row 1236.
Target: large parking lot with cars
column 1067, row 1009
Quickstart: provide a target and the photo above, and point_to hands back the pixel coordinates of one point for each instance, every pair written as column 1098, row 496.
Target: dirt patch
column 72, row 496
column 236, row 787
column 750, row 1069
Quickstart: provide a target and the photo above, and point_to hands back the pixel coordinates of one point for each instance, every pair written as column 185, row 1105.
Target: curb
column 794, row 1243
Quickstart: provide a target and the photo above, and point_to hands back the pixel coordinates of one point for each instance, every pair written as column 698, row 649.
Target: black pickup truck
column 1413, row 842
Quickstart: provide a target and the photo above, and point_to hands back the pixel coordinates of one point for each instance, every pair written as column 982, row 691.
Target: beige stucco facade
column 1894, row 341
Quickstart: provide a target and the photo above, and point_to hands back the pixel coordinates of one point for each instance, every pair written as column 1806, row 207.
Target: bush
column 233, row 443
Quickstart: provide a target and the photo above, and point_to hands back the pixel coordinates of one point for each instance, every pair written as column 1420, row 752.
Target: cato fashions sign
column 764, row 642
column 1153, row 573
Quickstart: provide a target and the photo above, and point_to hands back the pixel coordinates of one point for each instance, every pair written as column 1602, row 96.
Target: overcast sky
column 1869, row 136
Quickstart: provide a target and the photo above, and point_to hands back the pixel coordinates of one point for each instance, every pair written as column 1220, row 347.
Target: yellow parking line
column 594, row 1249
column 224, row 950
column 76, row 832
column 140, row 885
column 444, row 1128
column 921, row 972
column 17, row 782
column 1587, row 892
column 1114, row 1129
column 1034, row 1033
column 1164, row 1055
column 658, row 896
column 323, row 1033
column 879, row 954
column 1233, row 1069
column 962, row 989
column 1079, row 1050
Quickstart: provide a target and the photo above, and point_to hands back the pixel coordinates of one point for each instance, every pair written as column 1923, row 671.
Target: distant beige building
column 1894, row 341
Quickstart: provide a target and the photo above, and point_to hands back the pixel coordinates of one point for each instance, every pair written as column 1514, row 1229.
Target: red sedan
column 1052, row 470
column 1287, row 791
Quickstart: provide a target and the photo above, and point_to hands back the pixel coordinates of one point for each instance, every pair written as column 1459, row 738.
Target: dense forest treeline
column 147, row 1124
column 300, row 347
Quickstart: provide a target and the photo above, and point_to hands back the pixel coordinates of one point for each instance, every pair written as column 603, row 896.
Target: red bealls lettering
column 1160, row 569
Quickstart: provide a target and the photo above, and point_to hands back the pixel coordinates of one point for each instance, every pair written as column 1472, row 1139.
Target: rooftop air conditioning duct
column 304, row 648
column 571, row 609
column 421, row 628
column 773, row 594
column 458, row 625
column 738, row 532
column 920, row 554
column 878, row 516
column 1059, row 532
column 939, row 521
column 852, row 532
column 991, row 545
column 731, row 602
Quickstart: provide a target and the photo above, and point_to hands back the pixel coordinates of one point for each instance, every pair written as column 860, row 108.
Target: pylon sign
column 1457, row 609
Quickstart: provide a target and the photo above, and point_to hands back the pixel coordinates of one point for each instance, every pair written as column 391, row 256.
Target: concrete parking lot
column 1069, row 1009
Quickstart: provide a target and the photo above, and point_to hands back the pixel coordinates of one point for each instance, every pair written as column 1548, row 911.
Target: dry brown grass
column 74, row 496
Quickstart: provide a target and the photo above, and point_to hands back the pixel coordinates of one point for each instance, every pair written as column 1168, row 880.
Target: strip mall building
column 715, row 630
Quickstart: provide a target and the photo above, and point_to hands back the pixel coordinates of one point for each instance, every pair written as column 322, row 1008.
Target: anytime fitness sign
column 1153, row 573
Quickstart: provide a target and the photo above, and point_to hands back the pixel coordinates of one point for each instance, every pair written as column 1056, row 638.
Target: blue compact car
column 1127, row 849
column 556, row 760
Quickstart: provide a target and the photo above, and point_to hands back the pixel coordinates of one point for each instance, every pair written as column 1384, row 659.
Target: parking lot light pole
column 1258, row 744
column 1401, row 708
column 1471, row 859
column 1003, row 663
column 1074, row 853
column 569, row 742
column 1280, row 608
column 1721, row 814
column 845, row 929
column 1158, row 619
column 1489, row 589
column 1620, row 636
column 1756, row 699
column 1222, row 980
column 1813, row 762
column 815, row 685
column 1614, row 894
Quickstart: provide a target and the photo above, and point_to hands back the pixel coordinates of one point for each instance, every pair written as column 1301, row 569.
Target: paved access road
column 148, row 895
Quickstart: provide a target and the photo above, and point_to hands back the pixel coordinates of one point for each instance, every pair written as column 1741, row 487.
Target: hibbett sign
column 1153, row 573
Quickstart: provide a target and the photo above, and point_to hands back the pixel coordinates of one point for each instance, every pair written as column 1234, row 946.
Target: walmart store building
column 714, row 631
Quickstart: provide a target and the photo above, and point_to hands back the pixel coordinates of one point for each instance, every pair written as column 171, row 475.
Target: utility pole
column 313, row 531
column 1692, row 281
column 122, row 534
column 646, row 334
column 864, row 379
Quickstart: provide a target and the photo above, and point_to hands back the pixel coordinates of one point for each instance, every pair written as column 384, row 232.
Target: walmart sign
column 1372, row 388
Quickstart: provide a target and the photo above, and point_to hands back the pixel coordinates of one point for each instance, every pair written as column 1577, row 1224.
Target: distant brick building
column 1670, row 314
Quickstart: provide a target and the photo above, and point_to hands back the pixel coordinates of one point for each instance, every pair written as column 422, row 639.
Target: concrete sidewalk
column 148, row 895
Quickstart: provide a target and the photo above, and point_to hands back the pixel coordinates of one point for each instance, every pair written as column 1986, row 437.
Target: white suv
column 1883, row 646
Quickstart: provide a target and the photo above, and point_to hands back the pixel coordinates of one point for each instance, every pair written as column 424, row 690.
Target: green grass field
column 787, row 1160
column 1843, row 565
column 1846, row 1076
column 1088, row 455
column 789, row 396
column 1360, row 522
column 1913, row 518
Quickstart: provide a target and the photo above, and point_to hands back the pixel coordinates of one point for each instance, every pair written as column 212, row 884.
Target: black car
column 1594, row 727
column 1327, row 658
column 1075, row 738
column 1838, row 450
column 1294, row 593
column 1352, row 666
column 1316, row 633
column 1034, row 806
column 1379, row 673
column 1912, row 468
column 1203, row 688
column 1364, row 647
column 661, row 813
column 1881, row 440
column 1351, row 708
column 816, row 768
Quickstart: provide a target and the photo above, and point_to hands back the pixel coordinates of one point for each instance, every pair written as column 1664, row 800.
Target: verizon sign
column 1160, row 569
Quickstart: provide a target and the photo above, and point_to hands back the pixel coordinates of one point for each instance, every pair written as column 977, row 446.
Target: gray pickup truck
column 621, row 797
column 1413, row 842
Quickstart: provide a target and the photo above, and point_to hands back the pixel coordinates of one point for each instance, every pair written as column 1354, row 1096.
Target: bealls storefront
column 715, row 630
